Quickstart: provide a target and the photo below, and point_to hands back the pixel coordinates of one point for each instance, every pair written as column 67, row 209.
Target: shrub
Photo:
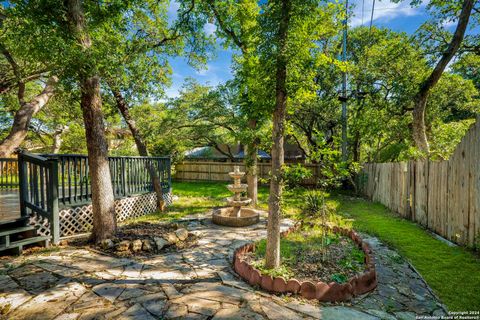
column 294, row 175
column 314, row 204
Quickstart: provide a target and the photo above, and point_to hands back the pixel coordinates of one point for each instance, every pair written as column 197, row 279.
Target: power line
column 344, row 87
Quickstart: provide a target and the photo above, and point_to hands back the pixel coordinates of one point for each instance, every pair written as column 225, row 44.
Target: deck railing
column 38, row 178
column 130, row 176
column 8, row 173
column 52, row 180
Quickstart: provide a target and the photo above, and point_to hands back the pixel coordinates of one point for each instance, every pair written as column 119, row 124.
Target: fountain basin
column 238, row 203
column 226, row 217
column 236, row 174
column 237, row 188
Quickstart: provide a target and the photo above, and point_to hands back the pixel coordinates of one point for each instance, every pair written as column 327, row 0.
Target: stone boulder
column 137, row 245
column 107, row 244
column 182, row 234
column 170, row 237
column 123, row 245
column 160, row 243
column 147, row 245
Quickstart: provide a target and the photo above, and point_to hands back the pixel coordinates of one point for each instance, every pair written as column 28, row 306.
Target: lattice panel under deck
column 42, row 224
column 80, row 219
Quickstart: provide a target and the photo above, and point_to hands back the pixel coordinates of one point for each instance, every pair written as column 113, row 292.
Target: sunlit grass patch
column 452, row 272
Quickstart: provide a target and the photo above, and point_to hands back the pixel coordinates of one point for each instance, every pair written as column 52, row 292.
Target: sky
column 397, row 16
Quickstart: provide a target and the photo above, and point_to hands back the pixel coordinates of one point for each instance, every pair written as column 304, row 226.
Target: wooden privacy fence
column 443, row 196
column 218, row 171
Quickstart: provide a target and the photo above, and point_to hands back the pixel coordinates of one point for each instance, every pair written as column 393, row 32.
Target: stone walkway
column 197, row 283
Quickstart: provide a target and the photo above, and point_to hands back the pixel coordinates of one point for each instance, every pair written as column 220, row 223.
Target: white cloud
column 209, row 28
column 449, row 24
column 384, row 12
column 172, row 92
column 172, row 10
column 208, row 70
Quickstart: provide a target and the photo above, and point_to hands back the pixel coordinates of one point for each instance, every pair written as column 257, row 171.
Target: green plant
column 294, row 175
column 339, row 278
column 282, row 271
column 314, row 204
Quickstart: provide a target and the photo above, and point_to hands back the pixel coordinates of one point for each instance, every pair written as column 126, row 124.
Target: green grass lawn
column 452, row 272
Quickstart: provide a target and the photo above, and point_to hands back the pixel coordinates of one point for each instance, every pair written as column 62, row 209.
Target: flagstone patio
column 196, row 283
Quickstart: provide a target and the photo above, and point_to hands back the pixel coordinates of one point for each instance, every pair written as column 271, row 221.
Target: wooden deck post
column 23, row 181
column 52, row 195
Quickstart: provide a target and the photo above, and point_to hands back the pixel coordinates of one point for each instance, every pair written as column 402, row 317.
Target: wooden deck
column 9, row 204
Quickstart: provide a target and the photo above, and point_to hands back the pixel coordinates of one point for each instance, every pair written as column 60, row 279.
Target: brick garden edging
column 322, row 291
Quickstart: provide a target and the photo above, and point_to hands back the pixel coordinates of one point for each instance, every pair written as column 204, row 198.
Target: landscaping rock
column 160, row 243
column 171, row 238
column 107, row 244
column 123, row 245
column 147, row 245
column 182, row 234
column 137, row 245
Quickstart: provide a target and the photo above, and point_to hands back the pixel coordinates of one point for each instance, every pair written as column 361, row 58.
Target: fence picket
column 441, row 195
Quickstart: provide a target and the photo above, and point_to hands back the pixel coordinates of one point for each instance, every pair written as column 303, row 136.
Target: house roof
column 261, row 154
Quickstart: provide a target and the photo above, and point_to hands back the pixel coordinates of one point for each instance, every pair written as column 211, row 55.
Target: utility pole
column 344, row 88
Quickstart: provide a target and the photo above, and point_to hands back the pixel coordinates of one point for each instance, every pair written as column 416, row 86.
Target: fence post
column 210, row 171
column 23, row 184
column 53, row 200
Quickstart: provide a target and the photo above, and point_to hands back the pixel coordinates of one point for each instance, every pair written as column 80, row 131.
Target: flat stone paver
column 195, row 283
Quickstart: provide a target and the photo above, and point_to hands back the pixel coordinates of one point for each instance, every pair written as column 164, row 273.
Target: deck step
column 20, row 243
column 4, row 232
column 14, row 223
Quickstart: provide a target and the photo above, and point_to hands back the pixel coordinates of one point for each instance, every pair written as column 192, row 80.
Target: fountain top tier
column 236, row 174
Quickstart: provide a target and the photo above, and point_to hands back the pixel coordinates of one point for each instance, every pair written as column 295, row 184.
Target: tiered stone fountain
column 235, row 215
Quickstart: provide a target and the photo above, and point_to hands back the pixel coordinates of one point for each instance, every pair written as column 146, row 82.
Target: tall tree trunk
column 24, row 115
column 272, row 256
column 141, row 146
column 251, row 164
column 420, row 100
column 104, row 219
column 356, row 147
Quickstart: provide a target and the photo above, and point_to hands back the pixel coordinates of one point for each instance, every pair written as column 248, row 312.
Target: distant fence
column 443, row 196
column 8, row 173
column 218, row 171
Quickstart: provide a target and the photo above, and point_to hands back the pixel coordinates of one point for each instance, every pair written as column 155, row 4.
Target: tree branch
column 235, row 38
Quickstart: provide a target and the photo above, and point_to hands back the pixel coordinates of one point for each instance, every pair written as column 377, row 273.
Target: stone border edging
column 331, row 292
